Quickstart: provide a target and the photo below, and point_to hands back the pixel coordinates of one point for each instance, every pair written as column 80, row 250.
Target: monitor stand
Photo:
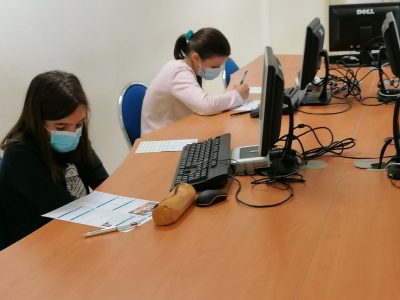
column 247, row 159
column 393, row 166
column 385, row 95
column 316, row 98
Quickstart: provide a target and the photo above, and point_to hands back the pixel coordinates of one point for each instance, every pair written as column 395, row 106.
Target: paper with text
column 162, row 146
column 248, row 105
column 104, row 210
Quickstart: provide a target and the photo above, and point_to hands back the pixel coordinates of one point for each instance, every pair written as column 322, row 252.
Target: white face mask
column 208, row 73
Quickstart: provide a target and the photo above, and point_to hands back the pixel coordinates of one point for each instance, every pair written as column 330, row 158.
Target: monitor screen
column 353, row 27
column 313, row 51
column 271, row 106
column 314, row 42
column 248, row 158
column 392, row 44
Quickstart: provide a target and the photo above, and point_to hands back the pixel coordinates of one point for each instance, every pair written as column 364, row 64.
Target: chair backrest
column 130, row 103
column 229, row 67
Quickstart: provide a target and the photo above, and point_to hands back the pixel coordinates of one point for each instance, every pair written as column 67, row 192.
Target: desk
column 337, row 239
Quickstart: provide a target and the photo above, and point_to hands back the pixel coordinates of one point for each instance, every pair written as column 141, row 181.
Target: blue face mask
column 208, row 73
column 65, row 141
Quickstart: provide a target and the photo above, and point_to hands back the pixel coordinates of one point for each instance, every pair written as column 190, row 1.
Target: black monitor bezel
column 271, row 106
column 392, row 43
column 313, row 45
column 334, row 45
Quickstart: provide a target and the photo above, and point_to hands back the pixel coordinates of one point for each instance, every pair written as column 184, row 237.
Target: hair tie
column 188, row 35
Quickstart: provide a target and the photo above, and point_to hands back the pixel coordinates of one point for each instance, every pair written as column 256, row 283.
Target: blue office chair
column 130, row 103
column 229, row 67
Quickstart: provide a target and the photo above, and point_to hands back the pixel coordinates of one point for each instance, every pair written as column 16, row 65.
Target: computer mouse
column 348, row 59
column 210, row 197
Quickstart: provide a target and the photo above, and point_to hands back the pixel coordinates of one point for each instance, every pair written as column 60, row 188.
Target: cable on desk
column 270, row 182
column 345, row 83
column 334, row 147
column 341, row 86
column 393, row 182
column 328, row 113
column 362, row 101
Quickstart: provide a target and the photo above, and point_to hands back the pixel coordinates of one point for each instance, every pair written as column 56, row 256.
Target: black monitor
column 313, row 51
column 392, row 44
column 390, row 34
column 271, row 106
column 357, row 27
column 249, row 158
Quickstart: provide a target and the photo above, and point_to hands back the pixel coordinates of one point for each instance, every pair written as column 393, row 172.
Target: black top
column 27, row 190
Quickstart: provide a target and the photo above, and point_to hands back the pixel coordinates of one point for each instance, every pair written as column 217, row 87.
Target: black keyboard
column 206, row 164
column 291, row 94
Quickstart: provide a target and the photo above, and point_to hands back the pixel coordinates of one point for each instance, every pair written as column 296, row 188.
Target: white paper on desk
column 248, row 105
column 255, row 90
column 162, row 146
column 104, row 210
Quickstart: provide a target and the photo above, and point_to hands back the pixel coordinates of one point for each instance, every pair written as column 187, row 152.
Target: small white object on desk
column 255, row 90
column 121, row 228
column 163, row 146
column 248, row 105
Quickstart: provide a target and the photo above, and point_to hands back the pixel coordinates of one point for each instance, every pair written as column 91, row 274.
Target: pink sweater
column 174, row 94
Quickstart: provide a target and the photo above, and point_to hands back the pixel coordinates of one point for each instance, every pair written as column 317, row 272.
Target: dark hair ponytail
column 207, row 42
column 181, row 47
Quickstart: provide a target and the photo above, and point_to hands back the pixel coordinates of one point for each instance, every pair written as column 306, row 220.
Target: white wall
column 358, row 1
column 288, row 20
column 110, row 43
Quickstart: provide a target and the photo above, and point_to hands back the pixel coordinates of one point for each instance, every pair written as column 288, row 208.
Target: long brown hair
column 51, row 95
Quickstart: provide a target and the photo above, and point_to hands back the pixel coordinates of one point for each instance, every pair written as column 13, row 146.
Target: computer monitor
column 249, row 158
column 392, row 44
column 313, row 51
column 271, row 105
column 357, row 27
column 390, row 34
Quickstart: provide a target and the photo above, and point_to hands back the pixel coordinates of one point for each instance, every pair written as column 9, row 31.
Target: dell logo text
column 366, row 11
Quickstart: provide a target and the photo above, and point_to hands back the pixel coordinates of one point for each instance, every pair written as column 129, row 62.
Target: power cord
column 342, row 86
column 334, row 147
column 270, row 182
column 393, row 182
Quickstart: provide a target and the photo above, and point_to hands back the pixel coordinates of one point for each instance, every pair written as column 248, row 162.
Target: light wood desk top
column 337, row 239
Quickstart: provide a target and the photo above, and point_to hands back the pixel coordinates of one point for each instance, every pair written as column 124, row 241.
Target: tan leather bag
column 174, row 205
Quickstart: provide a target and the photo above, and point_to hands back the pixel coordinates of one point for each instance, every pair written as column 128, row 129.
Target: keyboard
column 206, row 164
column 292, row 94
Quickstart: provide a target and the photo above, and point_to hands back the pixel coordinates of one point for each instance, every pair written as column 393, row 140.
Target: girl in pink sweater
column 176, row 91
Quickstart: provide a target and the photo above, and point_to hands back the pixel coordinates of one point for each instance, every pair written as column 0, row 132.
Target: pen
column 243, row 77
column 111, row 229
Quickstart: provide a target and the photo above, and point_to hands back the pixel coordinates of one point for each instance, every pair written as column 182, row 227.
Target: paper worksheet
column 104, row 210
column 162, row 146
column 248, row 105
